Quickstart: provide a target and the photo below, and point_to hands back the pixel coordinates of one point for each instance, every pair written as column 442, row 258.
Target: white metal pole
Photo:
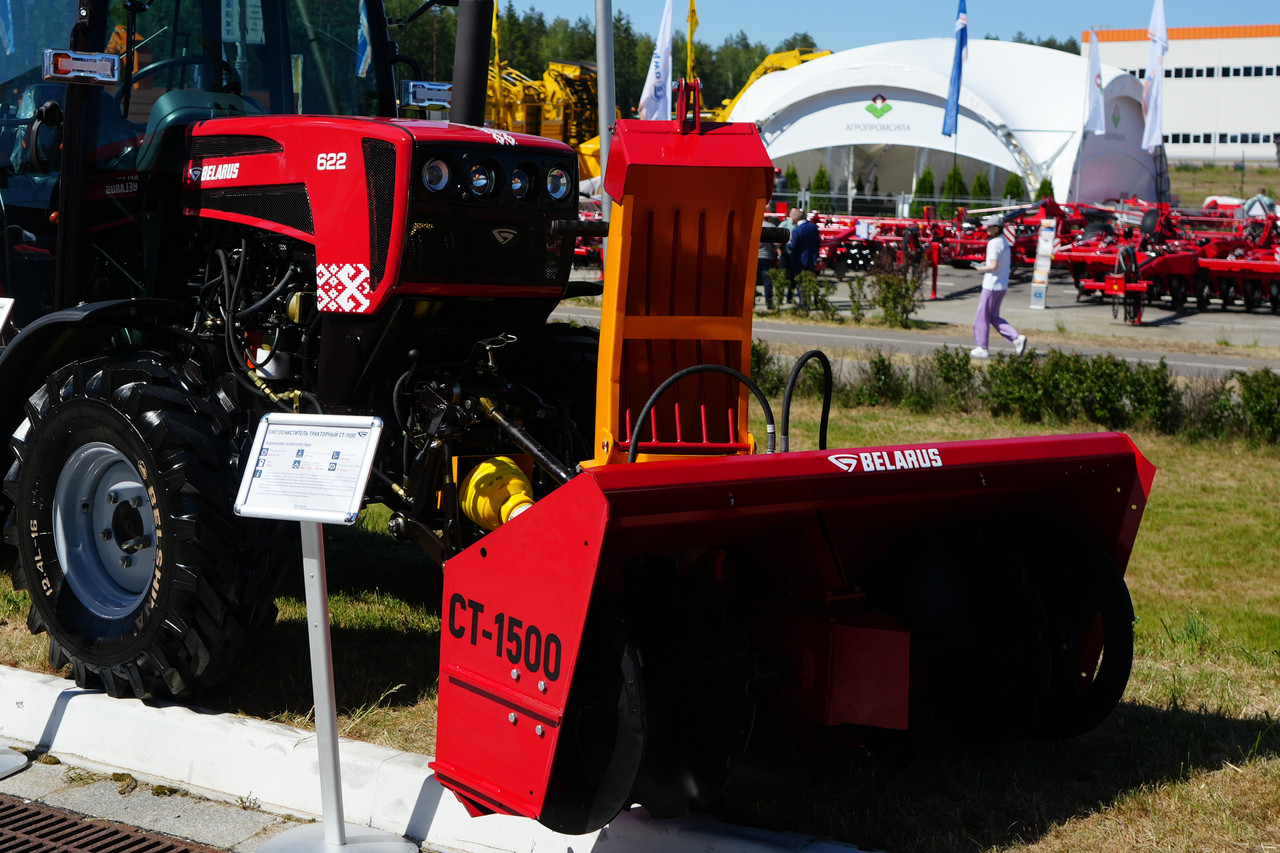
column 322, row 681
column 606, row 105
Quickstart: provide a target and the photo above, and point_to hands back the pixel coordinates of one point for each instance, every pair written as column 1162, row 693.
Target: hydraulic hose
column 770, row 428
column 826, row 397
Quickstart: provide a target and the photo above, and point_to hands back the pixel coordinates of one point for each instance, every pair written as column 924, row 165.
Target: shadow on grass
column 930, row 797
column 392, row 661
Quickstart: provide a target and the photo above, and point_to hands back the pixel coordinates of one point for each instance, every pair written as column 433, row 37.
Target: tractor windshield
column 282, row 56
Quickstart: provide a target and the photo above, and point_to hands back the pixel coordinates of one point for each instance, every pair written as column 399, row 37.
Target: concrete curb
column 225, row 757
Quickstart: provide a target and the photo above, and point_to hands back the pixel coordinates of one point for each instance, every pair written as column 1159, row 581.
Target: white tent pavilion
column 875, row 113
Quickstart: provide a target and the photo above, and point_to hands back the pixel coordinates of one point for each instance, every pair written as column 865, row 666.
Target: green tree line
column 530, row 42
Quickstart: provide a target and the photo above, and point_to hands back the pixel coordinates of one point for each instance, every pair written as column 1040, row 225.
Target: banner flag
column 655, row 98
column 1153, row 83
column 1097, row 118
column 962, row 53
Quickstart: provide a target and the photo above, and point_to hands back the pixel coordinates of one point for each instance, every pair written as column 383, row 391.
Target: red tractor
column 231, row 215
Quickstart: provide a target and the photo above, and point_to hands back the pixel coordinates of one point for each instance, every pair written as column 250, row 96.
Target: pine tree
column 1014, row 188
column 820, row 190
column 924, row 189
column 1045, row 190
column 953, row 188
column 981, row 186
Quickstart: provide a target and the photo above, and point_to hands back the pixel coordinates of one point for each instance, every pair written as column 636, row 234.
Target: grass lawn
column 1190, row 761
column 1192, row 183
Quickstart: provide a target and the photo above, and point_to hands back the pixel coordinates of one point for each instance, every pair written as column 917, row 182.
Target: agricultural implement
column 637, row 601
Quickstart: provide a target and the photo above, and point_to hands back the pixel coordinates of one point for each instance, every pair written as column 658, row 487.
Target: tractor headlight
column 558, row 183
column 522, row 184
column 480, row 179
column 435, row 175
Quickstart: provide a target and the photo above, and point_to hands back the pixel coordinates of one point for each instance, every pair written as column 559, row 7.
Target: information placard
column 309, row 467
column 1044, row 258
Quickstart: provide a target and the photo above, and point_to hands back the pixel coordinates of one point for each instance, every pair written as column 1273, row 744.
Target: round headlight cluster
column 558, row 183
column 480, row 179
column 435, row 175
column 522, row 184
column 485, row 180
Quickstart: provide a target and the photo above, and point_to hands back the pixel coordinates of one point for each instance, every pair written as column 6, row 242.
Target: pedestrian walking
column 995, row 283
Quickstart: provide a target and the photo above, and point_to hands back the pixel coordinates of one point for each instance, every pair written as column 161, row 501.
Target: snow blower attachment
column 636, row 634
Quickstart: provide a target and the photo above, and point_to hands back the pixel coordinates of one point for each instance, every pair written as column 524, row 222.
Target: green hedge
column 1055, row 387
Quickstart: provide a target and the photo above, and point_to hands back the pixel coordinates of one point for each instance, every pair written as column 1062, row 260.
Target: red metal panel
column 537, row 570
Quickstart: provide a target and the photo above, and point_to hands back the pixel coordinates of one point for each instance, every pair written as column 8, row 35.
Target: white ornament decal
column 343, row 288
column 500, row 136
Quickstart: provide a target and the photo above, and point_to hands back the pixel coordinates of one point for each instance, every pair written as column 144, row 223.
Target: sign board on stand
column 313, row 469
column 1044, row 257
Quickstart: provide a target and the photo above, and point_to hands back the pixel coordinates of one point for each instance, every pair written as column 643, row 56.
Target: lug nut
column 112, row 497
column 126, row 562
column 135, row 501
column 105, row 534
column 84, row 506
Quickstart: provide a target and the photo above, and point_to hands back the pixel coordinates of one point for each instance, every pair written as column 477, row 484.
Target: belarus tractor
column 216, row 210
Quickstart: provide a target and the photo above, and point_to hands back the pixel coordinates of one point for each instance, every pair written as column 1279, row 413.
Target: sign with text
column 308, row 467
column 1044, row 258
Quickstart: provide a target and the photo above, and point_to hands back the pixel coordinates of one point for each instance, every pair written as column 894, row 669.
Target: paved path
column 1166, row 333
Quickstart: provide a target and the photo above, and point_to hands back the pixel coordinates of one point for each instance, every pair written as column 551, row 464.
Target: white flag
column 655, row 99
column 1153, row 84
column 1097, row 119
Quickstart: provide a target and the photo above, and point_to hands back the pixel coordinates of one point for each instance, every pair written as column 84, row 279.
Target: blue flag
column 962, row 53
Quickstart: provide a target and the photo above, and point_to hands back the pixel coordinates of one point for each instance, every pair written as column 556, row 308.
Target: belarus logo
column 879, row 106
column 845, row 461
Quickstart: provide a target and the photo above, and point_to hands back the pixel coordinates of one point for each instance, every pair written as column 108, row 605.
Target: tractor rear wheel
column 123, row 484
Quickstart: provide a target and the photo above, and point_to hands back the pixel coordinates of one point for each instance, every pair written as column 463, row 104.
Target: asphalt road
column 1233, row 332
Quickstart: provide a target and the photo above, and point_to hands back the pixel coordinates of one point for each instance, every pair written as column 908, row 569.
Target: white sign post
column 1044, row 257
column 312, row 469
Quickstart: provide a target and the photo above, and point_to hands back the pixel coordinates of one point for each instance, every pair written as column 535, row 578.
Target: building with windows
column 1221, row 89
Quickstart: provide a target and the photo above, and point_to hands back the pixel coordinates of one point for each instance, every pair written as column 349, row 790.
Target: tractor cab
column 93, row 138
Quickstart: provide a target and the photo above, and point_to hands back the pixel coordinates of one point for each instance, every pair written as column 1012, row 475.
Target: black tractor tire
column 123, row 482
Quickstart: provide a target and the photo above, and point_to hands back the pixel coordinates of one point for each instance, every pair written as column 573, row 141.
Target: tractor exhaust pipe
column 471, row 61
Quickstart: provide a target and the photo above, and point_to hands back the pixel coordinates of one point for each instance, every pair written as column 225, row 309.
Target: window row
column 1223, row 138
column 1213, row 71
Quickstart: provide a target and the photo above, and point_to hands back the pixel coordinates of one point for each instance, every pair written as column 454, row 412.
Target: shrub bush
column 954, row 370
column 895, row 290
column 814, row 297
column 1010, row 387
column 880, row 381
column 767, row 369
column 1260, row 404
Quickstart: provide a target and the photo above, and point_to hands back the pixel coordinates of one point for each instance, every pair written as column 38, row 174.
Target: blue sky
column 841, row 24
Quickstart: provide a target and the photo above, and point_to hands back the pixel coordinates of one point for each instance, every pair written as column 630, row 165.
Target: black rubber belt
column 36, row 828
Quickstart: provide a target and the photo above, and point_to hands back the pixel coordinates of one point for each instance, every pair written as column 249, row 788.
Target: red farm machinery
column 218, row 223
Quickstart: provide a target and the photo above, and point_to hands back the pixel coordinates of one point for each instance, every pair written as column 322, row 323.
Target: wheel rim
column 104, row 529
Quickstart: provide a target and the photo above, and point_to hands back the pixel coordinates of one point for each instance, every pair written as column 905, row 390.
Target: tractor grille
column 458, row 249
column 209, row 147
column 34, row 828
column 286, row 204
column 380, row 175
